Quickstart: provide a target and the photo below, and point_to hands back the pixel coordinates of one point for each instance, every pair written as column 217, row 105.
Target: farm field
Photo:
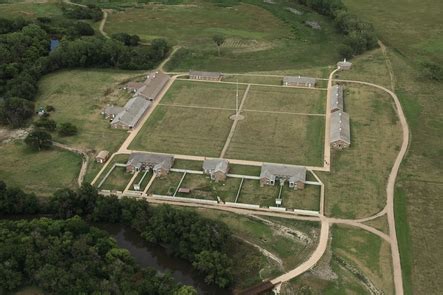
column 78, row 97
column 279, row 138
column 39, row 172
column 364, row 168
column 259, row 36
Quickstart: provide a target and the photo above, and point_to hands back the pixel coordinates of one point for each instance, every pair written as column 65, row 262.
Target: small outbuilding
column 207, row 76
column 102, row 157
column 340, row 133
column 216, row 168
column 299, row 81
column 344, row 65
column 295, row 175
column 336, row 98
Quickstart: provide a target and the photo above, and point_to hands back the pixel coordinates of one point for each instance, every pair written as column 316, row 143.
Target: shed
column 184, row 190
column 344, row 65
column 102, row 157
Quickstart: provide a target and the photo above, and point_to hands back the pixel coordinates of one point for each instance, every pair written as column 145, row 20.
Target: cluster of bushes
column 70, row 257
column 24, row 48
column 199, row 240
column 83, row 12
column 128, row 40
column 360, row 35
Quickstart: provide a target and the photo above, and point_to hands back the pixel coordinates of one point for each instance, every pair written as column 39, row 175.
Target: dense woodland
column 200, row 241
column 26, row 56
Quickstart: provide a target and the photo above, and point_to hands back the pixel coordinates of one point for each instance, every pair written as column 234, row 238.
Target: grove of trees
column 187, row 235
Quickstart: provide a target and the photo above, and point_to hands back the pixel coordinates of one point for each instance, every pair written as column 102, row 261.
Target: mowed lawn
column 356, row 186
column 39, row 172
column 186, row 131
column 306, row 199
column 284, row 99
column 203, row 94
column 79, row 97
column 279, row 138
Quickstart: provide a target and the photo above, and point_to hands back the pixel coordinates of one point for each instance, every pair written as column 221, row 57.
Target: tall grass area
column 413, row 32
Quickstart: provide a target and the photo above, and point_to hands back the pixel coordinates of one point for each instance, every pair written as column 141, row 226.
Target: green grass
column 39, row 172
column 356, row 186
column 79, row 97
column 117, row 180
column 203, row 188
column 203, row 94
column 29, row 10
column 306, row 199
column 188, row 164
column 145, row 181
column 165, row 185
column 282, row 99
column 186, row 131
column 252, row 193
column 120, row 159
column 245, row 170
column 278, row 138
column 258, row 36
column 368, row 252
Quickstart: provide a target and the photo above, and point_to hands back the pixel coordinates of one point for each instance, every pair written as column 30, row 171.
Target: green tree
column 218, row 40
column 67, row 129
column 47, row 124
column 215, row 266
column 15, row 111
column 39, row 140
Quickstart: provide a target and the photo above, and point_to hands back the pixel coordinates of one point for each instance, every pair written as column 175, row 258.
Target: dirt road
column 85, row 159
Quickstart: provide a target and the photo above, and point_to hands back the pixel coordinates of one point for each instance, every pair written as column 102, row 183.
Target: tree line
column 187, row 235
column 70, row 257
column 359, row 35
column 26, row 57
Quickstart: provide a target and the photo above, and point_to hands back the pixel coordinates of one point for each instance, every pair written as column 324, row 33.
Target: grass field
column 117, row 180
column 203, row 94
column 39, row 172
column 278, row 138
column 252, row 193
column 29, row 9
column 306, row 199
column 186, row 131
column 356, row 186
column 203, row 188
column 120, row 159
column 165, row 185
column 259, row 36
column 78, row 97
column 282, row 99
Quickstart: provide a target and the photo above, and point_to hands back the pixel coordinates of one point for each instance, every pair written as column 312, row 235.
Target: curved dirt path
column 85, row 160
column 398, row 279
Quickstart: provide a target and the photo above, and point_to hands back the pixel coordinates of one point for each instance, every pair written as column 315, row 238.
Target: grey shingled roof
column 290, row 172
column 153, row 161
column 205, row 74
column 153, row 85
column 336, row 97
column 340, row 129
column 112, row 110
column 216, row 165
column 299, row 80
column 132, row 112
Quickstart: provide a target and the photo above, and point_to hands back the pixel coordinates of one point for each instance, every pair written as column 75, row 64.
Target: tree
column 47, row 124
column 215, row 266
column 67, row 129
column 15, row 111
column 39, row 140
column 432, row 71
column 218, row 40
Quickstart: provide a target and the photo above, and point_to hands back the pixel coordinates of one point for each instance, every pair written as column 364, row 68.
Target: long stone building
column 299, row 81
column 336, row 98
column 207, row 76
column 159, row 164
column 217, row 169
column 340, row 133
column 131, row 114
